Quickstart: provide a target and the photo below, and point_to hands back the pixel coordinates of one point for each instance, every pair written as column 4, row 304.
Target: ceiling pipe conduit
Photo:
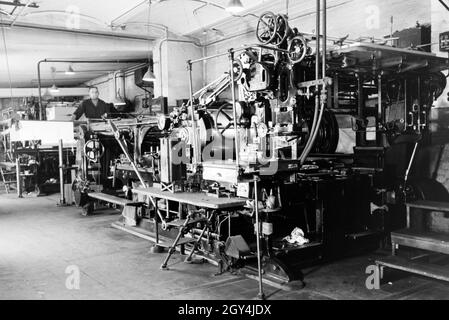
column 79, row 32
column 65, row 13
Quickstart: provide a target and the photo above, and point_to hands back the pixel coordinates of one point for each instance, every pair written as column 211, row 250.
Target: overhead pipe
column 36, row 13
column 121, row 89
column 5, row 13
column 71, row 61
column 21, row 11
column 78, row 32
column 130, row 10
column 126, row 72
column 18, row 4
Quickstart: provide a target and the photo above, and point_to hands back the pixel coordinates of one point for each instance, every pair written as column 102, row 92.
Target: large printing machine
column 261, row 146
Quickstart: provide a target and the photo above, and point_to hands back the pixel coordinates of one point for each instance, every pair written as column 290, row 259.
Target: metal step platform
column 415, row 267
column 431, row 241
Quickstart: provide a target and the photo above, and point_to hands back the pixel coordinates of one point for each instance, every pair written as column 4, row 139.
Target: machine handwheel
column 221, row 111
column 282, row 30
column 297, row 49
column 267, row 27
column 437, row 83
column 237, row 70
column 93, row 150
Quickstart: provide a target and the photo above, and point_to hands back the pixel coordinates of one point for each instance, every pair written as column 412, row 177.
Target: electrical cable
column 306, row 151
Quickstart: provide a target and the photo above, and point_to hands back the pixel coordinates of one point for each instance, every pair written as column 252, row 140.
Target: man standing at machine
column 94, row 108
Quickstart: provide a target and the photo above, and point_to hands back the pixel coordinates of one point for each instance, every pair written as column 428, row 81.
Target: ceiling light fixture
column 149, row 76
column 235, row 6
column 53, row 89
column 219, row 33
column 118, row 100
column 70, row 71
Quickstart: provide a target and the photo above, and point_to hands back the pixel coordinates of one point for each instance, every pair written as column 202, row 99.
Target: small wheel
column 93, row 150
column 437, row 83
column 221, row 111
column 297, row 49
column 237, row 70
column 282, row 30
column 267, row 27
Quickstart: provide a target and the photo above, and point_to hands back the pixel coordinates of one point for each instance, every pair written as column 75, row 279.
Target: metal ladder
column 6, row 183
column 184, row 227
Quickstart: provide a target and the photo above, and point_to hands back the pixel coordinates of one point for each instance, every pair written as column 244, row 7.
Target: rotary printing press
column 266, row 137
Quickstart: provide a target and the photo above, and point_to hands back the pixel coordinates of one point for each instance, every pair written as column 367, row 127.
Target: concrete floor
column 38, row 241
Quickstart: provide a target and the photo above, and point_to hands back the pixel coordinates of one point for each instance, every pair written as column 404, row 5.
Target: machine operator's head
column 94, row 93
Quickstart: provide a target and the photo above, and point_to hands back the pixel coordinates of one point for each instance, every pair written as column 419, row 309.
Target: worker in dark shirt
column 94, row 108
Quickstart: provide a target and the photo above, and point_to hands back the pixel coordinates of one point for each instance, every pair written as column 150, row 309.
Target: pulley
column 437, row 83
column 272, row 29
column 237, row 69
column 297, row 49
column 267, row 27
column 163, row 123
column 93, row 150
column 222, row 112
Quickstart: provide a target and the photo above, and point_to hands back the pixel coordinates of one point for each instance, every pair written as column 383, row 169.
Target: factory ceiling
column 66, row 29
